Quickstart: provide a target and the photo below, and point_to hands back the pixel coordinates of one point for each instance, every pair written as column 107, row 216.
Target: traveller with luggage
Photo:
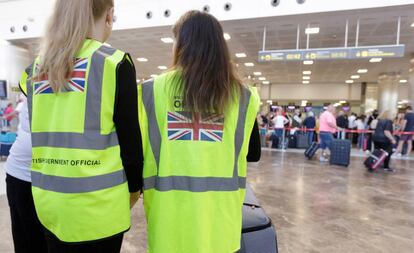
column 327, row 127
column 383, row 137
column 310, row 123
column 408, row 127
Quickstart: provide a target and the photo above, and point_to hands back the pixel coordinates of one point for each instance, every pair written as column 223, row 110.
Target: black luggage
column 340, row 152
column 302, row 140
column 258, row 234
column 311, row 151
column 292, row 141
column 275, row 141
column 375, row 160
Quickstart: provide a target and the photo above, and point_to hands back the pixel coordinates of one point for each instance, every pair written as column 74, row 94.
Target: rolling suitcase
column 340, row 152
column 311, row 151
column 292, row 141
column 302, row 141
column 258, row 234
column 275, row 141
column 376, row 159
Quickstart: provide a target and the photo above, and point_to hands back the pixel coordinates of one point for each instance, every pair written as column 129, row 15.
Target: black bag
column 302, row 140
column 375, row 160
column 340, row 152
column 275, row 141
column 258, row 234
column 310, row 152
column 292, row 141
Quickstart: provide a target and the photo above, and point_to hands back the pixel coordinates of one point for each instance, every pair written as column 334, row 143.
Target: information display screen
column 342, row 53
column 3, row 89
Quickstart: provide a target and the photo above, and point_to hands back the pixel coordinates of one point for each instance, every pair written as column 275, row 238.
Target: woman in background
column 383, row 137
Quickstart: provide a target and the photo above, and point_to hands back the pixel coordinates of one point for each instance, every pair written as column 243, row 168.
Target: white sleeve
column 19, row 107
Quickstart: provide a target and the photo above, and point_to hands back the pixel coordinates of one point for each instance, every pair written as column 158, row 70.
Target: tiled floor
column 314, row 207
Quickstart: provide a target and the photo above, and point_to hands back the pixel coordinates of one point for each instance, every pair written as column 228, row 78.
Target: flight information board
column 343, row 53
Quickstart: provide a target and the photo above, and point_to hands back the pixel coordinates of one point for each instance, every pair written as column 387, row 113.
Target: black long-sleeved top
column 127, row 126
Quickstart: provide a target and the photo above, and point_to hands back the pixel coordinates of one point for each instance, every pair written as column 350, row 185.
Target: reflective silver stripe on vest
column 77, row 184
column 185, row 183
column 91, row 138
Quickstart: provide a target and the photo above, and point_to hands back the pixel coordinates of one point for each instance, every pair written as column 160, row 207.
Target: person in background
column 279, row 122
column 360, row 123
column 85, row 172
column 9, row 114
column 28, row 234
column 408, row 127
column 327, row 128
column 398, row 127
column 310, row 124
column 296, row 121
column 371, row 125
column 342, row 122
column 383, row 137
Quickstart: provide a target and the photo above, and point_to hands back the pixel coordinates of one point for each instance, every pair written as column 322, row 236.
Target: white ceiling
column 378, row 26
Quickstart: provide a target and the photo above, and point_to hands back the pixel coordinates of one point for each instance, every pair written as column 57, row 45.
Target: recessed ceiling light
column 307, row 72
column 257, row 73
column 249, row 64
column 138, row 80
column 410, row 70
column 312, row 30
column 142, row 59
column 266, row 82
column 375, row 60
column 355, row 76
column 262, row 78
column 306, row 78
column 241, row 55
column 167, row 40
column 349, row 81
column 362, row 71
column 227, row 36
column 403, row 81
column 342, row 102
column 162, row 67
column 305, row 82
column 412, row 24
column 269, row 101
column 154, row 75
column 308, row 62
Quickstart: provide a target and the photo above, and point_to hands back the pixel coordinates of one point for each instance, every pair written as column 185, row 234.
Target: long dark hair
column 208, row 80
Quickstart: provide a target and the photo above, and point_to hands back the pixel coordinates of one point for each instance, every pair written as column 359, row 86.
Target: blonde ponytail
column 68, row 27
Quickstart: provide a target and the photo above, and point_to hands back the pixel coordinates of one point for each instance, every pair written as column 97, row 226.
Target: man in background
column 407, row 126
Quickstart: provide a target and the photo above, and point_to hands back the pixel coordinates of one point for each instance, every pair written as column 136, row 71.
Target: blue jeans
column 310, row 137
column 279, row 133
column 326, row 139
column 361, row 139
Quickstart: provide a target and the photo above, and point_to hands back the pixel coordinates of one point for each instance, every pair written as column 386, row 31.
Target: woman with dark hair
column 198, row 125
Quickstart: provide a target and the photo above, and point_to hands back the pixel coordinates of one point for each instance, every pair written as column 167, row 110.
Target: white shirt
column 351, row 121
column 279, row 121
column 19, row 162
column 360, row 124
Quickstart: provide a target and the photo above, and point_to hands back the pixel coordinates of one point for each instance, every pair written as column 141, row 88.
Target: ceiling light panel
column 241, row 55
column 167, row 40
column 312, row 30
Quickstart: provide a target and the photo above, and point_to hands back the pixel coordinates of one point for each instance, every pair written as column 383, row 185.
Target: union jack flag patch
column 188, row 126
column 76, row 82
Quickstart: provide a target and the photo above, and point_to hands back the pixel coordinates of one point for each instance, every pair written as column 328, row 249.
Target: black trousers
column 387, row 147
column 28, row 233
column 108, row 245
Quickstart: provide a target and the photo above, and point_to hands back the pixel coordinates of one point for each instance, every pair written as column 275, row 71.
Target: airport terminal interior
column 303, row 56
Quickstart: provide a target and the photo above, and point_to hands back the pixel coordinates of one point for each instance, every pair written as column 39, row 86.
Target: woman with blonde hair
column 83, row 112
column 383, row 137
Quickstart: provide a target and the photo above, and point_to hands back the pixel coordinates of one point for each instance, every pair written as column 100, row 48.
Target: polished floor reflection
column 314, row 207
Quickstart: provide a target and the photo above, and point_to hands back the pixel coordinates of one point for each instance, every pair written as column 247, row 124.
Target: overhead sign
column 341, row 53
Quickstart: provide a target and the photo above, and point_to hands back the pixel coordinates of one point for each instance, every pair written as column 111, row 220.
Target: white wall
column 13, row 61
column 132, row 13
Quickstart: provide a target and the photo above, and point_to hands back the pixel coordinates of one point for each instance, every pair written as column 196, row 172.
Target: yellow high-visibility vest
column 194, row 169
column 78, row 181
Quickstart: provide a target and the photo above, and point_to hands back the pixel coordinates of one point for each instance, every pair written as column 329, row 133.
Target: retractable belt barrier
column 345, row 130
